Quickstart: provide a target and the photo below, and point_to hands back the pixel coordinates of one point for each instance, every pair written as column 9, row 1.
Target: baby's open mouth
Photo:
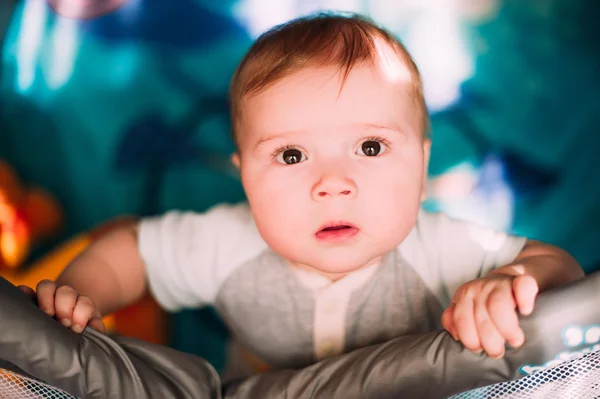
column 336, row 232
column 332, row 228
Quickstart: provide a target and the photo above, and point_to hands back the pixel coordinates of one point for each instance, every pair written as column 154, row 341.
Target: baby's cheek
column 278, row 200
column 282, row 232
column 279, row 216
column 393, row 219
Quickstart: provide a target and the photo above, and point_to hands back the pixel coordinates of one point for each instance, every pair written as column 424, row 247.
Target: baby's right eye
column 290, row 156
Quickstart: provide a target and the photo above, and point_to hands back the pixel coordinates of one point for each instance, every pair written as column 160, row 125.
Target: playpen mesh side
column 18, row 386
column 578, row 378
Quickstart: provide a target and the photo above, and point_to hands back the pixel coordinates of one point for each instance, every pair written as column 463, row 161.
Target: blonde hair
column 318, row 40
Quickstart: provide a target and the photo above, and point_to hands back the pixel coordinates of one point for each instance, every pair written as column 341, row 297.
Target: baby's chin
column 336, row 267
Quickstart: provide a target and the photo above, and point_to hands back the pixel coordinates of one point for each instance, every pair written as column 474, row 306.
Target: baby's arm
column 107, row 276
column 549, row 266
column 183, row 258
column 483, row 312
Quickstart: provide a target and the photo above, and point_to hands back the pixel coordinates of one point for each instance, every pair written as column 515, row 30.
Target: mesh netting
column 578, row 378
column 17, row 386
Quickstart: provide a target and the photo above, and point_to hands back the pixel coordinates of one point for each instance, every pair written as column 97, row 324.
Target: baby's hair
column 318, row 40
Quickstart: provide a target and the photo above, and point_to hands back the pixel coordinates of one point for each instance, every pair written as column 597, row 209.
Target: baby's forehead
column 387, row 78
column 387, row 73
column 317, row 101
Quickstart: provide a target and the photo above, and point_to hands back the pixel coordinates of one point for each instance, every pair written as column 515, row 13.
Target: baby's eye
column 290, row 156
column 371, row 148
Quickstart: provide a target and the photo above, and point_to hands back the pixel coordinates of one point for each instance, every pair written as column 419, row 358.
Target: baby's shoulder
column 427, row 229
column 222, row 216
column 437, row 238
column 223, row 227
column 437, row 228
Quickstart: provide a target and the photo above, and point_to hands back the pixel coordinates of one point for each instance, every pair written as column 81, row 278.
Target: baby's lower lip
column 337, row 235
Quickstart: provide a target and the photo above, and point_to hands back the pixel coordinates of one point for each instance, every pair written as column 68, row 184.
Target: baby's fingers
column 84, row 311
column 501, row 307
column 464, row 324
column 491, row 339
column 64, row 304
column 525, row 289
column 46, row 290
column 448, row 320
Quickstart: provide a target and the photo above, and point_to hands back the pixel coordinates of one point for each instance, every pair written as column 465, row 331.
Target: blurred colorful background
column 118, row 107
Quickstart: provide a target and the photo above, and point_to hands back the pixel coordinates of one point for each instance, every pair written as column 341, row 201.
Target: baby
column 332, row 251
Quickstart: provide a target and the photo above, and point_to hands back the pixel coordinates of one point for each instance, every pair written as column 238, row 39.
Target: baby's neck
column 334, row 276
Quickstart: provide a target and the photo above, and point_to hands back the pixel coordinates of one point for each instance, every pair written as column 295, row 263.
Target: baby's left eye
column 371, row 148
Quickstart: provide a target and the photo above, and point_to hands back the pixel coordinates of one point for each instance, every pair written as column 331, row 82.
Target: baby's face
column 334, row 179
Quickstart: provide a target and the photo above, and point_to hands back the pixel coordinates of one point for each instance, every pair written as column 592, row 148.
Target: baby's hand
column 483, row 314
column 71, row 309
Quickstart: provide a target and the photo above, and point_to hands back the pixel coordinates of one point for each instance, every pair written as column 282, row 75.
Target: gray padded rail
column 431, row 365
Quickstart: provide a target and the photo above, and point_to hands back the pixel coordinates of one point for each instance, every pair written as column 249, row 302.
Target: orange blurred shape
column 27, row 215
column 43, row 213
column 14, row 242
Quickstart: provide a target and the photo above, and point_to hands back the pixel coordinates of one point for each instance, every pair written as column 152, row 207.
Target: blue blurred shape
column 180, row 24
column 150, row 139
column 152, row 146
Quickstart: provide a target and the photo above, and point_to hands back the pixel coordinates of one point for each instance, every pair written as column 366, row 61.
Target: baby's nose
column 334, row 187
column 325, row 193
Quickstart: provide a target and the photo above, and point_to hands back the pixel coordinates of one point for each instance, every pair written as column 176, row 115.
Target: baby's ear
column 235, row 159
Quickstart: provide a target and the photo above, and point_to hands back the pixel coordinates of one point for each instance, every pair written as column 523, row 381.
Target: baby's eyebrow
column 267, row 138
column 358, row 126
column 376, row 126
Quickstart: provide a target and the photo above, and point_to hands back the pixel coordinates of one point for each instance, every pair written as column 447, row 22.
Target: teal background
column 126, row 113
